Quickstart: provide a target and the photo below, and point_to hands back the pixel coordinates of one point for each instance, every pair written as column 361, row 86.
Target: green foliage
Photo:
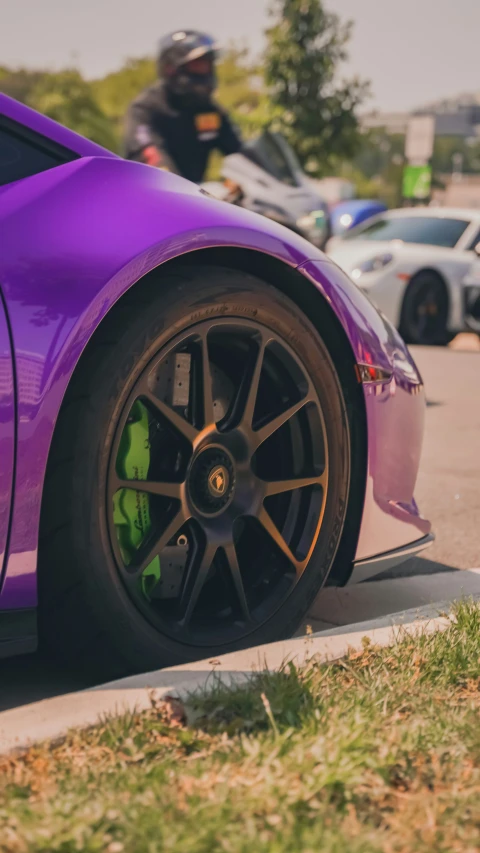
column 69, row 99
column 445, row 149
column 376, row 168
column 117, row 90
column 19, row 83
column 315, row 111
column 242, row 92
column 63, row 96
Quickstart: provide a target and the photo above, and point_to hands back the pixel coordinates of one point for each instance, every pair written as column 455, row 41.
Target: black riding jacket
column 183, row 138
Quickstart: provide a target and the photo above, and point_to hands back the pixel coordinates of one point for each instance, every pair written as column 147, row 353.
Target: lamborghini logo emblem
column 218, row 481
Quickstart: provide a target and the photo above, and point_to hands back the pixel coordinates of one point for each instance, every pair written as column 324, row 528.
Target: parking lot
column 447, row 491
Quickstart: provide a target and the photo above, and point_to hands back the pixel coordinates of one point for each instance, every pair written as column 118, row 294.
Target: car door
column 7, row 432
column 23, row 153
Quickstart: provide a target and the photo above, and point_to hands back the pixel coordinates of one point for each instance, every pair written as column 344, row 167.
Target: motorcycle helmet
column 186, row 63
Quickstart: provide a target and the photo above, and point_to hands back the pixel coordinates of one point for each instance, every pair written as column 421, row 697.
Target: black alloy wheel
column 238, row 475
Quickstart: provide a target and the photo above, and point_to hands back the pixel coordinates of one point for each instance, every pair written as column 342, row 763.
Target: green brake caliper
column 131, row 509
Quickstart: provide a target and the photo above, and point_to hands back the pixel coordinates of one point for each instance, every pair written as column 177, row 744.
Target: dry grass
column 380, row 752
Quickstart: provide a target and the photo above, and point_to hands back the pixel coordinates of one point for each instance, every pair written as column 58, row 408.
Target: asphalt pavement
column 448, row 488
column 448, row 492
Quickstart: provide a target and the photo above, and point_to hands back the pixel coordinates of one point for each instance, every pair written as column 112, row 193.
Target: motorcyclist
column 175, row 124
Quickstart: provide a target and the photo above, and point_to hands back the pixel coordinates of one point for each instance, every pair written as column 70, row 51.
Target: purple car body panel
column 75, row 238
column 395, row 418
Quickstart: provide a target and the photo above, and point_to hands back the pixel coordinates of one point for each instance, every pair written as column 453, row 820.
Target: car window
column 20, row 157
column 428, row 230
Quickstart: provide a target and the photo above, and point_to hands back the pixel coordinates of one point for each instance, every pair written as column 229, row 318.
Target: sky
column 412, row 51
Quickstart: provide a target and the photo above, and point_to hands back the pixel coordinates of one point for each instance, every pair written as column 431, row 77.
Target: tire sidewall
column 407, row 332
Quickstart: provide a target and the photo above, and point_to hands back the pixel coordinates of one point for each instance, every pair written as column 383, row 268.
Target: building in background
column 458, row 116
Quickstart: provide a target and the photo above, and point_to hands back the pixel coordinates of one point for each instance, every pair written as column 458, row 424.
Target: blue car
column 348, row 214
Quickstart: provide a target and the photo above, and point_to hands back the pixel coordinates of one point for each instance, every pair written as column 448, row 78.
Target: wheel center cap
column 218, row 481
column 212, row 481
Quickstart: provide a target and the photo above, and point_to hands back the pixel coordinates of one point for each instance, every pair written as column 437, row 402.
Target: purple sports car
column 202, row 419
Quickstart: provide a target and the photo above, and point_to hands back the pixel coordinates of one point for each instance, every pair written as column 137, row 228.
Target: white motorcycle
column 267, row 178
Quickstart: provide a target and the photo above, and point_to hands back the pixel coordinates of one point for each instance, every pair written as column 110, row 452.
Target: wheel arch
column 303, row 292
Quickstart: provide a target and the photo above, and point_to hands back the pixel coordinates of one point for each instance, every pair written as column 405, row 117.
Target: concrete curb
column 53, row 718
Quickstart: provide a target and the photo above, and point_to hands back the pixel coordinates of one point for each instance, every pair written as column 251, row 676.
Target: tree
column 241, row 91
column 118, row 89
column 315, row 111
column 64, row 96
column 19, row 83
column 446, row 147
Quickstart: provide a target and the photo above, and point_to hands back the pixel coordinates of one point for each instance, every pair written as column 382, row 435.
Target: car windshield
column 428, row 230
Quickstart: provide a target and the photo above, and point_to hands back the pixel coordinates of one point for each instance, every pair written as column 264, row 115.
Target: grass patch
column 378, row 752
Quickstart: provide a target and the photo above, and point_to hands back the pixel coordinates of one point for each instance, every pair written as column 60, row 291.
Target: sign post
column 419, row 142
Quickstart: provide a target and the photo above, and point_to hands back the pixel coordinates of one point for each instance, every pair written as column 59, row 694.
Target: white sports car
column 412, row 263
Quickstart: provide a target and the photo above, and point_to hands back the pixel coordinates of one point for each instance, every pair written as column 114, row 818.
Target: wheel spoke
column 232, row 560
column 154, row 545
column 276, row 487
column 151, row 487
column 246, row 398
column 254, row 381
column 197, row 574
column 272, row 426
column 179, row 424
column 271, row 528
column 206, row 383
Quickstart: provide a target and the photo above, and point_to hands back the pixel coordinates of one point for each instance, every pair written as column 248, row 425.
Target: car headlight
column 372, row 265
column 345, row 220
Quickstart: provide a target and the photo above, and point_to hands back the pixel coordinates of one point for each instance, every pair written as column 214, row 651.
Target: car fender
column 74, row 240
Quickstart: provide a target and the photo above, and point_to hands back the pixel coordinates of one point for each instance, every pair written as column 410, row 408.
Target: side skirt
column 365, row 569
column 18, row 632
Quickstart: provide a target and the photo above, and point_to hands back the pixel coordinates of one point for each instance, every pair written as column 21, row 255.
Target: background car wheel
column 425, row 311
column 199, row 476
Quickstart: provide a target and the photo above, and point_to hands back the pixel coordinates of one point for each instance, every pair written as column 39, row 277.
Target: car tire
column 425, row 308
column 87, row 612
